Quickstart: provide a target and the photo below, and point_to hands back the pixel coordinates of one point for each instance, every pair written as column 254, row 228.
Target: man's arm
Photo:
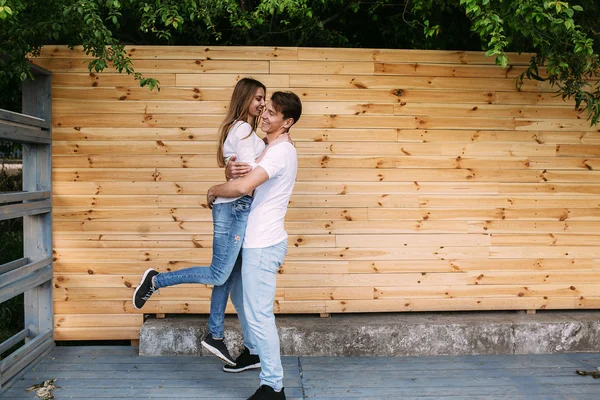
column 237, row 187
column 236, row 169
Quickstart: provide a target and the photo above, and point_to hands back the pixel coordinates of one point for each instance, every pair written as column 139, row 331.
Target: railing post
column 37, row 229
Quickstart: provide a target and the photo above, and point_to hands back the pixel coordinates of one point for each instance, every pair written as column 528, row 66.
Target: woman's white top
column 246, row 150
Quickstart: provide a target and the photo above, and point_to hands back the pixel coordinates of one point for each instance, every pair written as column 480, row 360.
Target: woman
column 237, row 137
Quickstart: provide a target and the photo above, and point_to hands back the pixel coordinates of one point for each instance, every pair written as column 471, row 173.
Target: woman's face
column 258, row 103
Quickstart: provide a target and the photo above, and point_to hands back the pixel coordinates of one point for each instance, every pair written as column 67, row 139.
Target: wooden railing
column 32, row 274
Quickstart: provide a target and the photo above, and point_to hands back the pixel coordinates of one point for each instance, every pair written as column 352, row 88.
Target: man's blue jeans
column 253, row 296
column 229, row 221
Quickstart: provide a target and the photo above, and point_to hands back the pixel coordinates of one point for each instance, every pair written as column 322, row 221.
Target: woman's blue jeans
column 229, row 221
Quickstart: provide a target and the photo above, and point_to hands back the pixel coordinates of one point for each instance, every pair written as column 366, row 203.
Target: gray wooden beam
column 24, row 134
column 42, row 276
column 13, row 340
column 24, row 119
column 37, row 229
column 22, row 272
column 25, row 209
column 13, row 265
column 14, row 197
column 27, row 354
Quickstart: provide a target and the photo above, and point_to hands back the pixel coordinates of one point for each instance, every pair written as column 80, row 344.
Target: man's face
column 272, row 120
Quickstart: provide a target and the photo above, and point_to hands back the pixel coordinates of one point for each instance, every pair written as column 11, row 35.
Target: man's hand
column 236, row 169
column 210, row 199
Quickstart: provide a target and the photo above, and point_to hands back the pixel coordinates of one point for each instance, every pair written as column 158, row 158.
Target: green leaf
column 23, row 76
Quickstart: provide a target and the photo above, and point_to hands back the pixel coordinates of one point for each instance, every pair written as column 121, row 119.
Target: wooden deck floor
column 118, row 373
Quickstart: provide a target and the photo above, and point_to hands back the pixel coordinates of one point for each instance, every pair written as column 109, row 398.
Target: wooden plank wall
column 427, row 183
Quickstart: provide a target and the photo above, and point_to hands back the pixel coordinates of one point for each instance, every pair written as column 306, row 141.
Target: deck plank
column 117, row 373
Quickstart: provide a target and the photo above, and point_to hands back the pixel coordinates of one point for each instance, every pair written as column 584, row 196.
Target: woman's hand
column 210, row 198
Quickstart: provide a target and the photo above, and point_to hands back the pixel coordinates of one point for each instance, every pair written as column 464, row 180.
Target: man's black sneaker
column 145, row 289
column 266, row 392
column 245, row 361
column 218, row 348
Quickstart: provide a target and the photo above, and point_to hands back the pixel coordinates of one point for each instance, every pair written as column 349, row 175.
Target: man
column 265, row 243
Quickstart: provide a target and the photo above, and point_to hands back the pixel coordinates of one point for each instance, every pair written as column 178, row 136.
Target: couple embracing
column 250, row 241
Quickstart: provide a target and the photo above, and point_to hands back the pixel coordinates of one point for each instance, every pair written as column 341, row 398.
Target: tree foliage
column 561, row 34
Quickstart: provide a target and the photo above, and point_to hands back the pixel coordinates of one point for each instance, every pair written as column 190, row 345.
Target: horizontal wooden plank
column 512, row 97
column 305, row 94
column 203, row 255
column 122, row 93
column 174, row 241
column 73, row 106
column 556, row 251
column 423, row 240
column 457, row 70
column 328, row 293
column 452, row 149
column 488, row 291
column 97, row 320
column 135, row 134
column 486, row 110
column 344, row 266
column 100, row 194
column 229, row 80
column 468, row 304
column 322, row 67
column 472, row 214
column 97, row 333
column 549, row 239
column 162, row 66
column 323, row 148
column 324, row 175
column 106, row 79
column 578, row 150
column 195, row 214
column 532, row 277
column 333, row 161
column 183, row 52
column 412, row 82
column 140, row 120
column 165, row 306
column 292, row 227
column 105, row 201
column 406, row 55
column 534, row 227
column 516, row 201
column 283, row 280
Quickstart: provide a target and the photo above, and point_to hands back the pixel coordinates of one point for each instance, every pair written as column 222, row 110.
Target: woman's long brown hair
column 241, row 98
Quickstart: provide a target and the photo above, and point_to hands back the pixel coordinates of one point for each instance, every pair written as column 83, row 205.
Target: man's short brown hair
column 287, row 103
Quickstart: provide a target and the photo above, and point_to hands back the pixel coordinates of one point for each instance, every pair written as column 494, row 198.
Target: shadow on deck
column 118, row 373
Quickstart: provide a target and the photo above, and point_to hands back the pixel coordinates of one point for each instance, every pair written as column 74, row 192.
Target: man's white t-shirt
column 246, row 150
column 267, row 213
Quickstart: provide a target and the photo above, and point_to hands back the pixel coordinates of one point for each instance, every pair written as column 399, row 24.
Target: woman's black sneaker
column 218, row 348
column 266, row 392
column 145, row 289
column 245, row 361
